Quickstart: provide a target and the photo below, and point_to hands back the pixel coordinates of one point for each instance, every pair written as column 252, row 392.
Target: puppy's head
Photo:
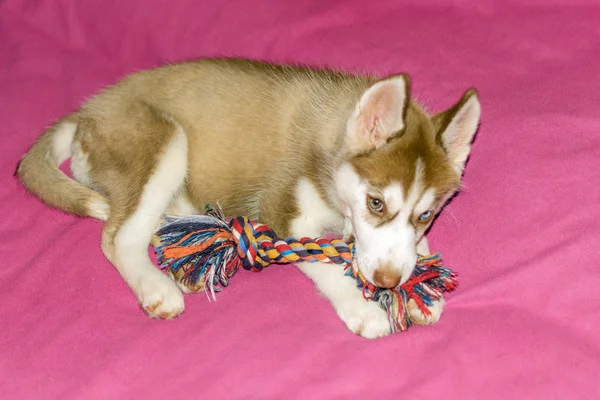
column 404, row 166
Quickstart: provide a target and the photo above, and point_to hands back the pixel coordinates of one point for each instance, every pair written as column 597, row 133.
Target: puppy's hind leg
column 126, row 235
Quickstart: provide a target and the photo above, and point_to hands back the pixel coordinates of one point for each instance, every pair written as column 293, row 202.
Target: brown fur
column 37, row 171
column 396, row 162
column 229, row 103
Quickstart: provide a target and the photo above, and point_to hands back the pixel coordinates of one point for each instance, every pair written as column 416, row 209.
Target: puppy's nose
column 386, row 277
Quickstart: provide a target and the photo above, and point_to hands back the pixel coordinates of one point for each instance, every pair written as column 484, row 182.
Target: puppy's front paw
column 159, row 296
column 365, row 318
column 418, row 318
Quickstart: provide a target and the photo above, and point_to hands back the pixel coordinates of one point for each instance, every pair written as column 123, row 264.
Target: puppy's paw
column 418, row 318
column 159, row 296
column 365, row 318
column 185, row 288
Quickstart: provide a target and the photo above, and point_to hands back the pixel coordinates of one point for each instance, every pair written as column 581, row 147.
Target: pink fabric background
column 523, row 235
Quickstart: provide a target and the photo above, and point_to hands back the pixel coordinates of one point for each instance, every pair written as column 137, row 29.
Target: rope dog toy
column 204, row 251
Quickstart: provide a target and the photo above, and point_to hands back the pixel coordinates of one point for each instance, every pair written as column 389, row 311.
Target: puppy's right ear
column 379, row 114
column 456, row 128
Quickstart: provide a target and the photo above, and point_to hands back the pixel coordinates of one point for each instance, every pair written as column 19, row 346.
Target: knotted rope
column 204, row 251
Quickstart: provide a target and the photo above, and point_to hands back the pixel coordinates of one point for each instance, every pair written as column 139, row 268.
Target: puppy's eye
column 425, row 216
column 375, row 204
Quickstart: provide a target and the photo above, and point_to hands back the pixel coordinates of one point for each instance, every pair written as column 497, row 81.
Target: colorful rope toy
column 203, row 251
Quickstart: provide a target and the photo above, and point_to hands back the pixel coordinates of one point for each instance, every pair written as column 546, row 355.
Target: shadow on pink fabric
column 523, row 234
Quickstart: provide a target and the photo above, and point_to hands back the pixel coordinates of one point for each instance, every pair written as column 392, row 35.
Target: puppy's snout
column 386, row 277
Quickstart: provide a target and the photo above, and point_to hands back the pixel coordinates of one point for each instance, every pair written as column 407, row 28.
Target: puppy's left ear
column 379, row 114
column 456, row 127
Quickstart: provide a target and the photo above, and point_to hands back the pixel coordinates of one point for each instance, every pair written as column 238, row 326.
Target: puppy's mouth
column 357, row 272
column 355, row 265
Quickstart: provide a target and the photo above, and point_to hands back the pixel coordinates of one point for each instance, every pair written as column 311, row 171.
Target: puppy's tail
column 38, row 171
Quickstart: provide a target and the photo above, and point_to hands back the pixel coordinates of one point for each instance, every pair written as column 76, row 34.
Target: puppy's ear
column 456, row 127
column 379, row 114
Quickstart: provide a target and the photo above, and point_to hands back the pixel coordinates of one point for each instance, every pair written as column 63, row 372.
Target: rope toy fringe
column 204, row 251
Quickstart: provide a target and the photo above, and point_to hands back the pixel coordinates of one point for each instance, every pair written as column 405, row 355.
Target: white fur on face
column 393, row 243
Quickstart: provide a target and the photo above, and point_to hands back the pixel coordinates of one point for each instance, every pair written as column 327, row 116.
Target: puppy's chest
column 314, row 215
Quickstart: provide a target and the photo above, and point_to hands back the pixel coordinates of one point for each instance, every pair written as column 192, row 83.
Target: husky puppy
column 305, row 151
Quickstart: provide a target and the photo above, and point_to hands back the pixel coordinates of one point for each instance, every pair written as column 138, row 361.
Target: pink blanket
column 523, row 235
